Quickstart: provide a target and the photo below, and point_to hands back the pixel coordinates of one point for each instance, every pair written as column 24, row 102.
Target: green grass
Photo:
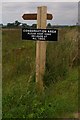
column 20, row 99
column 0, row 74
column 63, row 96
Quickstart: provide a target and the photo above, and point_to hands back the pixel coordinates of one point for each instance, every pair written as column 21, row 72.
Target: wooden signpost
column 34, row 16
column 41, row 47
column 41, row 17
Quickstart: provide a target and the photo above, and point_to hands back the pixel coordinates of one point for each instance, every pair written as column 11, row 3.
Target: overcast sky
column 63, row 12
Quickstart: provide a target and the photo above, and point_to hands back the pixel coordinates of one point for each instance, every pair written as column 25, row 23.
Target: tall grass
column 20, row 99
column 60, row 56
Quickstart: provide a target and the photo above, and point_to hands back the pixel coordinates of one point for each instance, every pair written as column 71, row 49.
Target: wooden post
column 42, row 16
column 41, row 48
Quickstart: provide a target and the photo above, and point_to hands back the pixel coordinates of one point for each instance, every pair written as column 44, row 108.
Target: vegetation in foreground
column 60, row 97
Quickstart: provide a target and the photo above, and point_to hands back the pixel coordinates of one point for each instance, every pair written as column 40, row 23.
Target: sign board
column 40, row 34
column 33, row 16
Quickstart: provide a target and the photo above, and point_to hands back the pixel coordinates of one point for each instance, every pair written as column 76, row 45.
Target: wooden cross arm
column 34, row 16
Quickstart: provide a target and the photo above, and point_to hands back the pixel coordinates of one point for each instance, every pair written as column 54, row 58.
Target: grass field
column 0, row 74
column 60, row 98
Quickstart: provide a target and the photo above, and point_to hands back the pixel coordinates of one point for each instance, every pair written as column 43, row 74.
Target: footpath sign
column 33, row 16
column 40, row 34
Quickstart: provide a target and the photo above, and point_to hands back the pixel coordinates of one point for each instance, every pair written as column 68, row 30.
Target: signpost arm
column 41, row 48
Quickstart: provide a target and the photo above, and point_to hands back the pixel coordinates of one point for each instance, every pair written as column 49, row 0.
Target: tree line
column 18, row 24
column 21, row 25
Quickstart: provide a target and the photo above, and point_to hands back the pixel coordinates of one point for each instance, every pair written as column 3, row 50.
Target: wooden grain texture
column 41, row 47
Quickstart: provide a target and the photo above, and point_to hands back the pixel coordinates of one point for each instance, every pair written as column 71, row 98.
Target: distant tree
column 28, row 27
column 10, row 24
column 24, row 25
column 49, row 25
column 34, row 26
column 17, row 23
column 1, row 25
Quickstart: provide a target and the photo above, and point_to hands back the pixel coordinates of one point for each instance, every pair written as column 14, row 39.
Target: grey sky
column 63, row 12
